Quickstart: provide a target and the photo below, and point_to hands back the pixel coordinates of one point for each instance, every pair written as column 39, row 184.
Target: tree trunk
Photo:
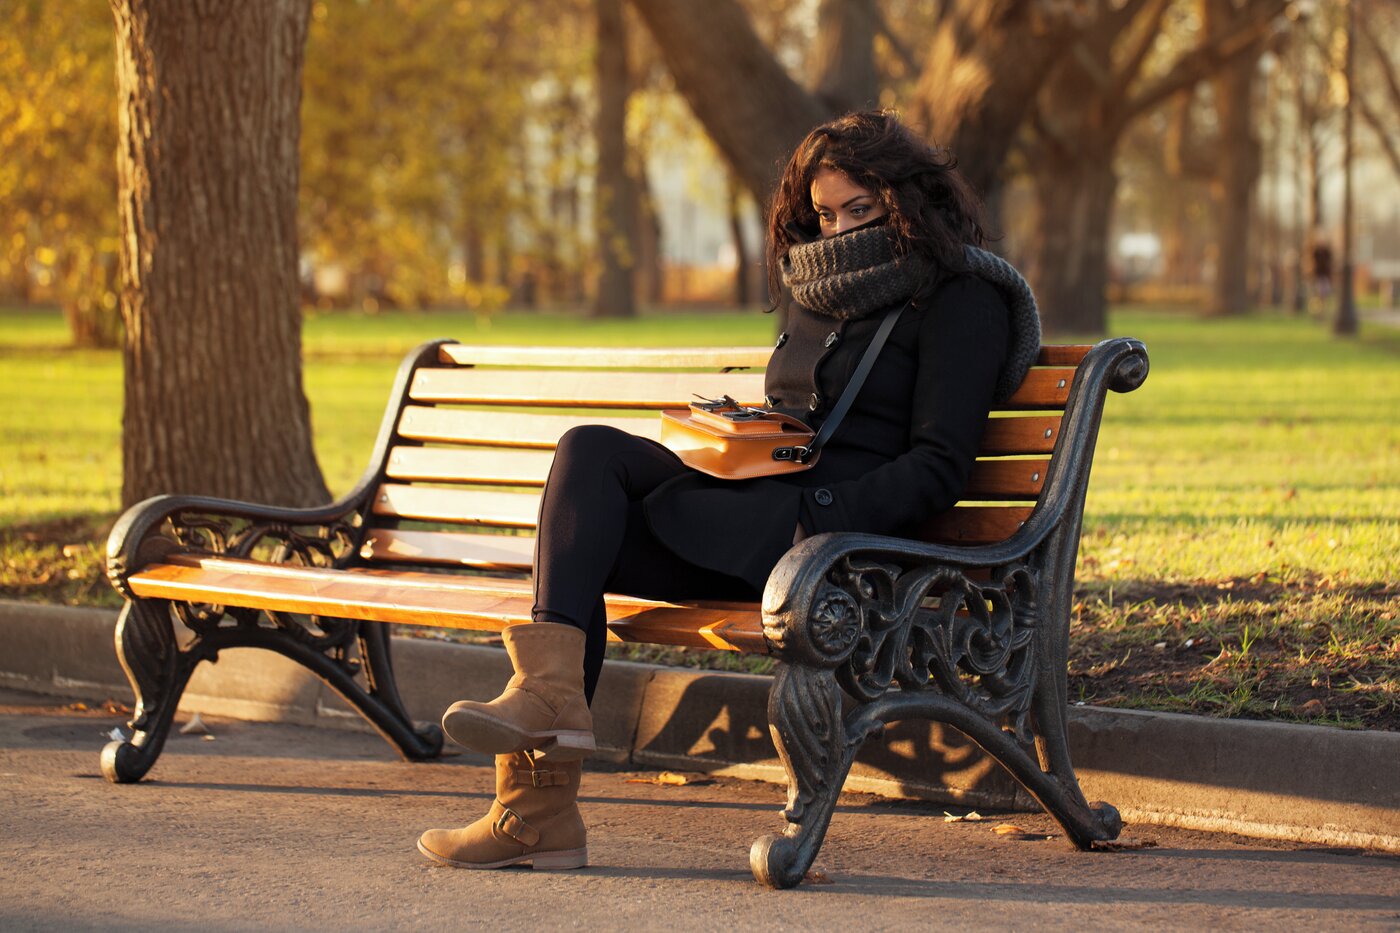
column 615, row 213
column 1237, row 171
column 1070, row 267
column 650, row 276
column 208, row 100
column 843, row 56
column 741, row 246
column 474, row 251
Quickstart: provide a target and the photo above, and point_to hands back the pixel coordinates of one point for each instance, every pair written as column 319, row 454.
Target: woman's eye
column 859, row 211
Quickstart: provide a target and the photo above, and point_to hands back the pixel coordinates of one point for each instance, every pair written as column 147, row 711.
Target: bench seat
column 434, row 599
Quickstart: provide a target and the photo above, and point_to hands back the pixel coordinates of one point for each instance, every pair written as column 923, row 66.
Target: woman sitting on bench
column 867, row 217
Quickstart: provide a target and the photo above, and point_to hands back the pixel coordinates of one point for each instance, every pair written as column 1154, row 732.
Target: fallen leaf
column 1123, row 845
column 207, row 738
column 1002, row 829
column 78, row 707
column 816, row 876
column 1313, row 707
column 195, row 726
column 970, row 817
column 672, row 779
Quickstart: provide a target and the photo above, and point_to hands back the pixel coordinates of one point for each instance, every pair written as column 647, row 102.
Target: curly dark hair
column 932, row 209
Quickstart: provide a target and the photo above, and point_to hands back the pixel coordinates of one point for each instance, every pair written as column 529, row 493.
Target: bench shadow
column 866, row 885
column 709, row 721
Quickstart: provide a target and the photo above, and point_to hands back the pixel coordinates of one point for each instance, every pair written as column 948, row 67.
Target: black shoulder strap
column 867, row 362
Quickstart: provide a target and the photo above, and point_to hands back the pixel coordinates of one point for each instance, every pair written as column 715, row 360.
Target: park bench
column 967, row 624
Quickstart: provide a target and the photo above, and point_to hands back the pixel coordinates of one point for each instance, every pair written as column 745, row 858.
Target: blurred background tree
column 614, row 156
column 58, row 174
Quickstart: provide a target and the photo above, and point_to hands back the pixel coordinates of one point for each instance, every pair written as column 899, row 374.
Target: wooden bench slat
column 553, row 388
column 666, row 357
column 715, row 358
column 455, row 548
column 495, row 466
column 990, row 479
column 457, row 601
column 508, row 428
column 974, row 524
column 1005, row 437
column 1006, row 479
column 1064, row 354
column 1042, row 388
column 467, row 506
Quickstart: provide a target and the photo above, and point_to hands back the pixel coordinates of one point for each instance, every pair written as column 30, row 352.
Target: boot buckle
column 510, row 824
column 541, row 778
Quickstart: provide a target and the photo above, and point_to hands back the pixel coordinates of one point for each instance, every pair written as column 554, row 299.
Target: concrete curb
column 1269, row 780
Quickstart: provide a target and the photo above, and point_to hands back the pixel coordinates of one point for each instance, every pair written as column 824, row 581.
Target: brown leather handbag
column 732, row 441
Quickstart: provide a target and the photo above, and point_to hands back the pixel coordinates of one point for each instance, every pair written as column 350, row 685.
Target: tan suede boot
column 543, row 706
column 534, row 819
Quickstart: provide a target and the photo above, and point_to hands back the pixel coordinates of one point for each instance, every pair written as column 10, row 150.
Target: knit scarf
column 855, row 274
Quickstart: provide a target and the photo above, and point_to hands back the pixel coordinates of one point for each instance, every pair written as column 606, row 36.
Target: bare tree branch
column 1382, row 131
column 1195, row 65
column 905, row 55
column 1392, row 80
column 749, row 105
column 1148, row 30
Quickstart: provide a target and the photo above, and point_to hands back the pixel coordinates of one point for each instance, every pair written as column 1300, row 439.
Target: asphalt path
column 277, row 827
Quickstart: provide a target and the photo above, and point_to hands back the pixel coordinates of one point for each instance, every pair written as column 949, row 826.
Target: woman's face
column 841, row 204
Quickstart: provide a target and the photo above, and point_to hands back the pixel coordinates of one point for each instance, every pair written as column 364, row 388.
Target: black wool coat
column 901, row 455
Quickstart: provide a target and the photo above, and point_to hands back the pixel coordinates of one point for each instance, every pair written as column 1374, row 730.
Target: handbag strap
column 848, row 396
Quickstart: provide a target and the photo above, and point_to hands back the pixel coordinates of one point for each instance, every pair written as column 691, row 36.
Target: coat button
column 815, row 402
column 823, row 496
column 831, row 339
column 782, row 339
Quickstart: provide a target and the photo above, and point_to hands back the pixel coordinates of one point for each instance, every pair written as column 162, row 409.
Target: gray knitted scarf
column 855, row 274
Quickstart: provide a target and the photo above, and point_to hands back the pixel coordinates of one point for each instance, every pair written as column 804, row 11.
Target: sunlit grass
column 1260, row 453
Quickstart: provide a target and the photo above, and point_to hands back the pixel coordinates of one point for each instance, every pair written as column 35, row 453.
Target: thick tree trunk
column 843, row 55
column 209, row 98
column 615, row 211
column 750, row 107
column 1069, row 271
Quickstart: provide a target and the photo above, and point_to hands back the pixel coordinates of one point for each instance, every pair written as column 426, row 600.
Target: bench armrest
column 151, row 530
column 836, row 601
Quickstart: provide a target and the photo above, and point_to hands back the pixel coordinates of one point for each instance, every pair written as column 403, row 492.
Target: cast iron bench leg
column 159, row 670
column 983, row 660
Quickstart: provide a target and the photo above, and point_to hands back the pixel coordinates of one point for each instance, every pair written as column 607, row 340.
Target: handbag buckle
column 795, row 454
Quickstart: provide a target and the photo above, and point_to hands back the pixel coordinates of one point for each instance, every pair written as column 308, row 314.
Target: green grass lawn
column 1244, row 513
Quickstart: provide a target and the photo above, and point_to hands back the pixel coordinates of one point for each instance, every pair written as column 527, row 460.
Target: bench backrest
column 467, row 445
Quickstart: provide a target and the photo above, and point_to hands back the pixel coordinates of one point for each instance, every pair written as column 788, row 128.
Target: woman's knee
column 595, row 442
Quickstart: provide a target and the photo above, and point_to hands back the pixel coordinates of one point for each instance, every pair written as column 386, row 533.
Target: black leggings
column 594, row 537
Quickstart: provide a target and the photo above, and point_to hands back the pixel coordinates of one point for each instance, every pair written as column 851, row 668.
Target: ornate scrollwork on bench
column 350, row 655
column 905, row 639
